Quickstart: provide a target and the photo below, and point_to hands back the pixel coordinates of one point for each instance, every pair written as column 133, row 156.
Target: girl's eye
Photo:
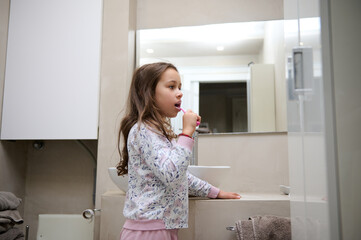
column 171, row 87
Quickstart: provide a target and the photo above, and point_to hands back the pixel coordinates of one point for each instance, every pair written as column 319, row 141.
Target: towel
column 5, row 226
column 264, row 228
column 12, row 234
column 12, row 215
column 8, row 201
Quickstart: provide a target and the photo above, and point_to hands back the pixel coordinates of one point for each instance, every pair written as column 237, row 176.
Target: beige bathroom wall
column 172, row 13
column 259, row 161
column 117, row 66
column 116, row 72
column 59, row 180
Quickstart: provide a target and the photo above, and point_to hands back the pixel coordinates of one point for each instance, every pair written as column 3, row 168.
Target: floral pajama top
column 159, row 182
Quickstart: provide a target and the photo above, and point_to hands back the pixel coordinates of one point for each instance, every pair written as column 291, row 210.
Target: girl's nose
column 179, row 94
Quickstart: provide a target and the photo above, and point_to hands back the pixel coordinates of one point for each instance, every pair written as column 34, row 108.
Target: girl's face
column 168, row 93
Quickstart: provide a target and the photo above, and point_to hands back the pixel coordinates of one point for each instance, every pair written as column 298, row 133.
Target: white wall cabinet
column 261, row 99
column 52, row 70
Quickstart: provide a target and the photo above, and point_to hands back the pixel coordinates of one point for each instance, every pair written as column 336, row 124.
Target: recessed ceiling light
column 220, row 48
column 149, row 50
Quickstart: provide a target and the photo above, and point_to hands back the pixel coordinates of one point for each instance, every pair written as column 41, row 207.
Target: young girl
column 156, row 204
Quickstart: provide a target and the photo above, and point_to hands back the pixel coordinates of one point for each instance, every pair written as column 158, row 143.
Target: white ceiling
column 245, row 38
column 235, row 38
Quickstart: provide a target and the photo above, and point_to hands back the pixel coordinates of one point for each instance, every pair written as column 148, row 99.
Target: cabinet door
column 262, row 112
column 52, row 70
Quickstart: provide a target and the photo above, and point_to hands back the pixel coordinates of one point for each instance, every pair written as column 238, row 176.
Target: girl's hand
column 190, row 122
column 228, row 195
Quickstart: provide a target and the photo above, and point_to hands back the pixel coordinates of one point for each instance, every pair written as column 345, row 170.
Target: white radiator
column 64, row 226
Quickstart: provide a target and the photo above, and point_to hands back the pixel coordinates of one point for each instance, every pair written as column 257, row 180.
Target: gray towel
column 5, row 226
column 264, row 228
column 12, row 234
column 8, row 201
column 12, row 215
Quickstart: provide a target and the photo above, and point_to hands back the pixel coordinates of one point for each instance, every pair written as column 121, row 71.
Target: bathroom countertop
column 244, row 196
column 251, row 197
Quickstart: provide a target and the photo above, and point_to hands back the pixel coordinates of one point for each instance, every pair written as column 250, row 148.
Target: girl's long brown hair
column 141, row 107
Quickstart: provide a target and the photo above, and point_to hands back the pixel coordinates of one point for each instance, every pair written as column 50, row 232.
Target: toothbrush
column 185, row 111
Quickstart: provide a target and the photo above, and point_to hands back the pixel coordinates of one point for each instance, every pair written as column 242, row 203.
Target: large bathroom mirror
column 232, row 73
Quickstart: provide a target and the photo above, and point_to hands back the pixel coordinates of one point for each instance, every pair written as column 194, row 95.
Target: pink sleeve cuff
column 213, row 193
column 186, row 142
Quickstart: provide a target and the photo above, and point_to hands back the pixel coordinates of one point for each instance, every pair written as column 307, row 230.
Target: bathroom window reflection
column 223, row 107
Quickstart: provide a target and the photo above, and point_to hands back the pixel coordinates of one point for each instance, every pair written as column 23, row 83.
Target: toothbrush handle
column 185, row 111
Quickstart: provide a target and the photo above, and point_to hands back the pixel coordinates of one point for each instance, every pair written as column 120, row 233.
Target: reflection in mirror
column 223, row 106
column 230, row 72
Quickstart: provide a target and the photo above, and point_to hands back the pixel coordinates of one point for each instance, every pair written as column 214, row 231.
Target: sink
column 215, row 175
column 120, row 181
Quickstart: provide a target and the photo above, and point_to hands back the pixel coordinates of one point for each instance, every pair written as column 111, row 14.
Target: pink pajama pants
column 162, row 234
column 147, row 230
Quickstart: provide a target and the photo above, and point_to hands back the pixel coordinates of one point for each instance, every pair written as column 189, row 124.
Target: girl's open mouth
column 177, row 105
